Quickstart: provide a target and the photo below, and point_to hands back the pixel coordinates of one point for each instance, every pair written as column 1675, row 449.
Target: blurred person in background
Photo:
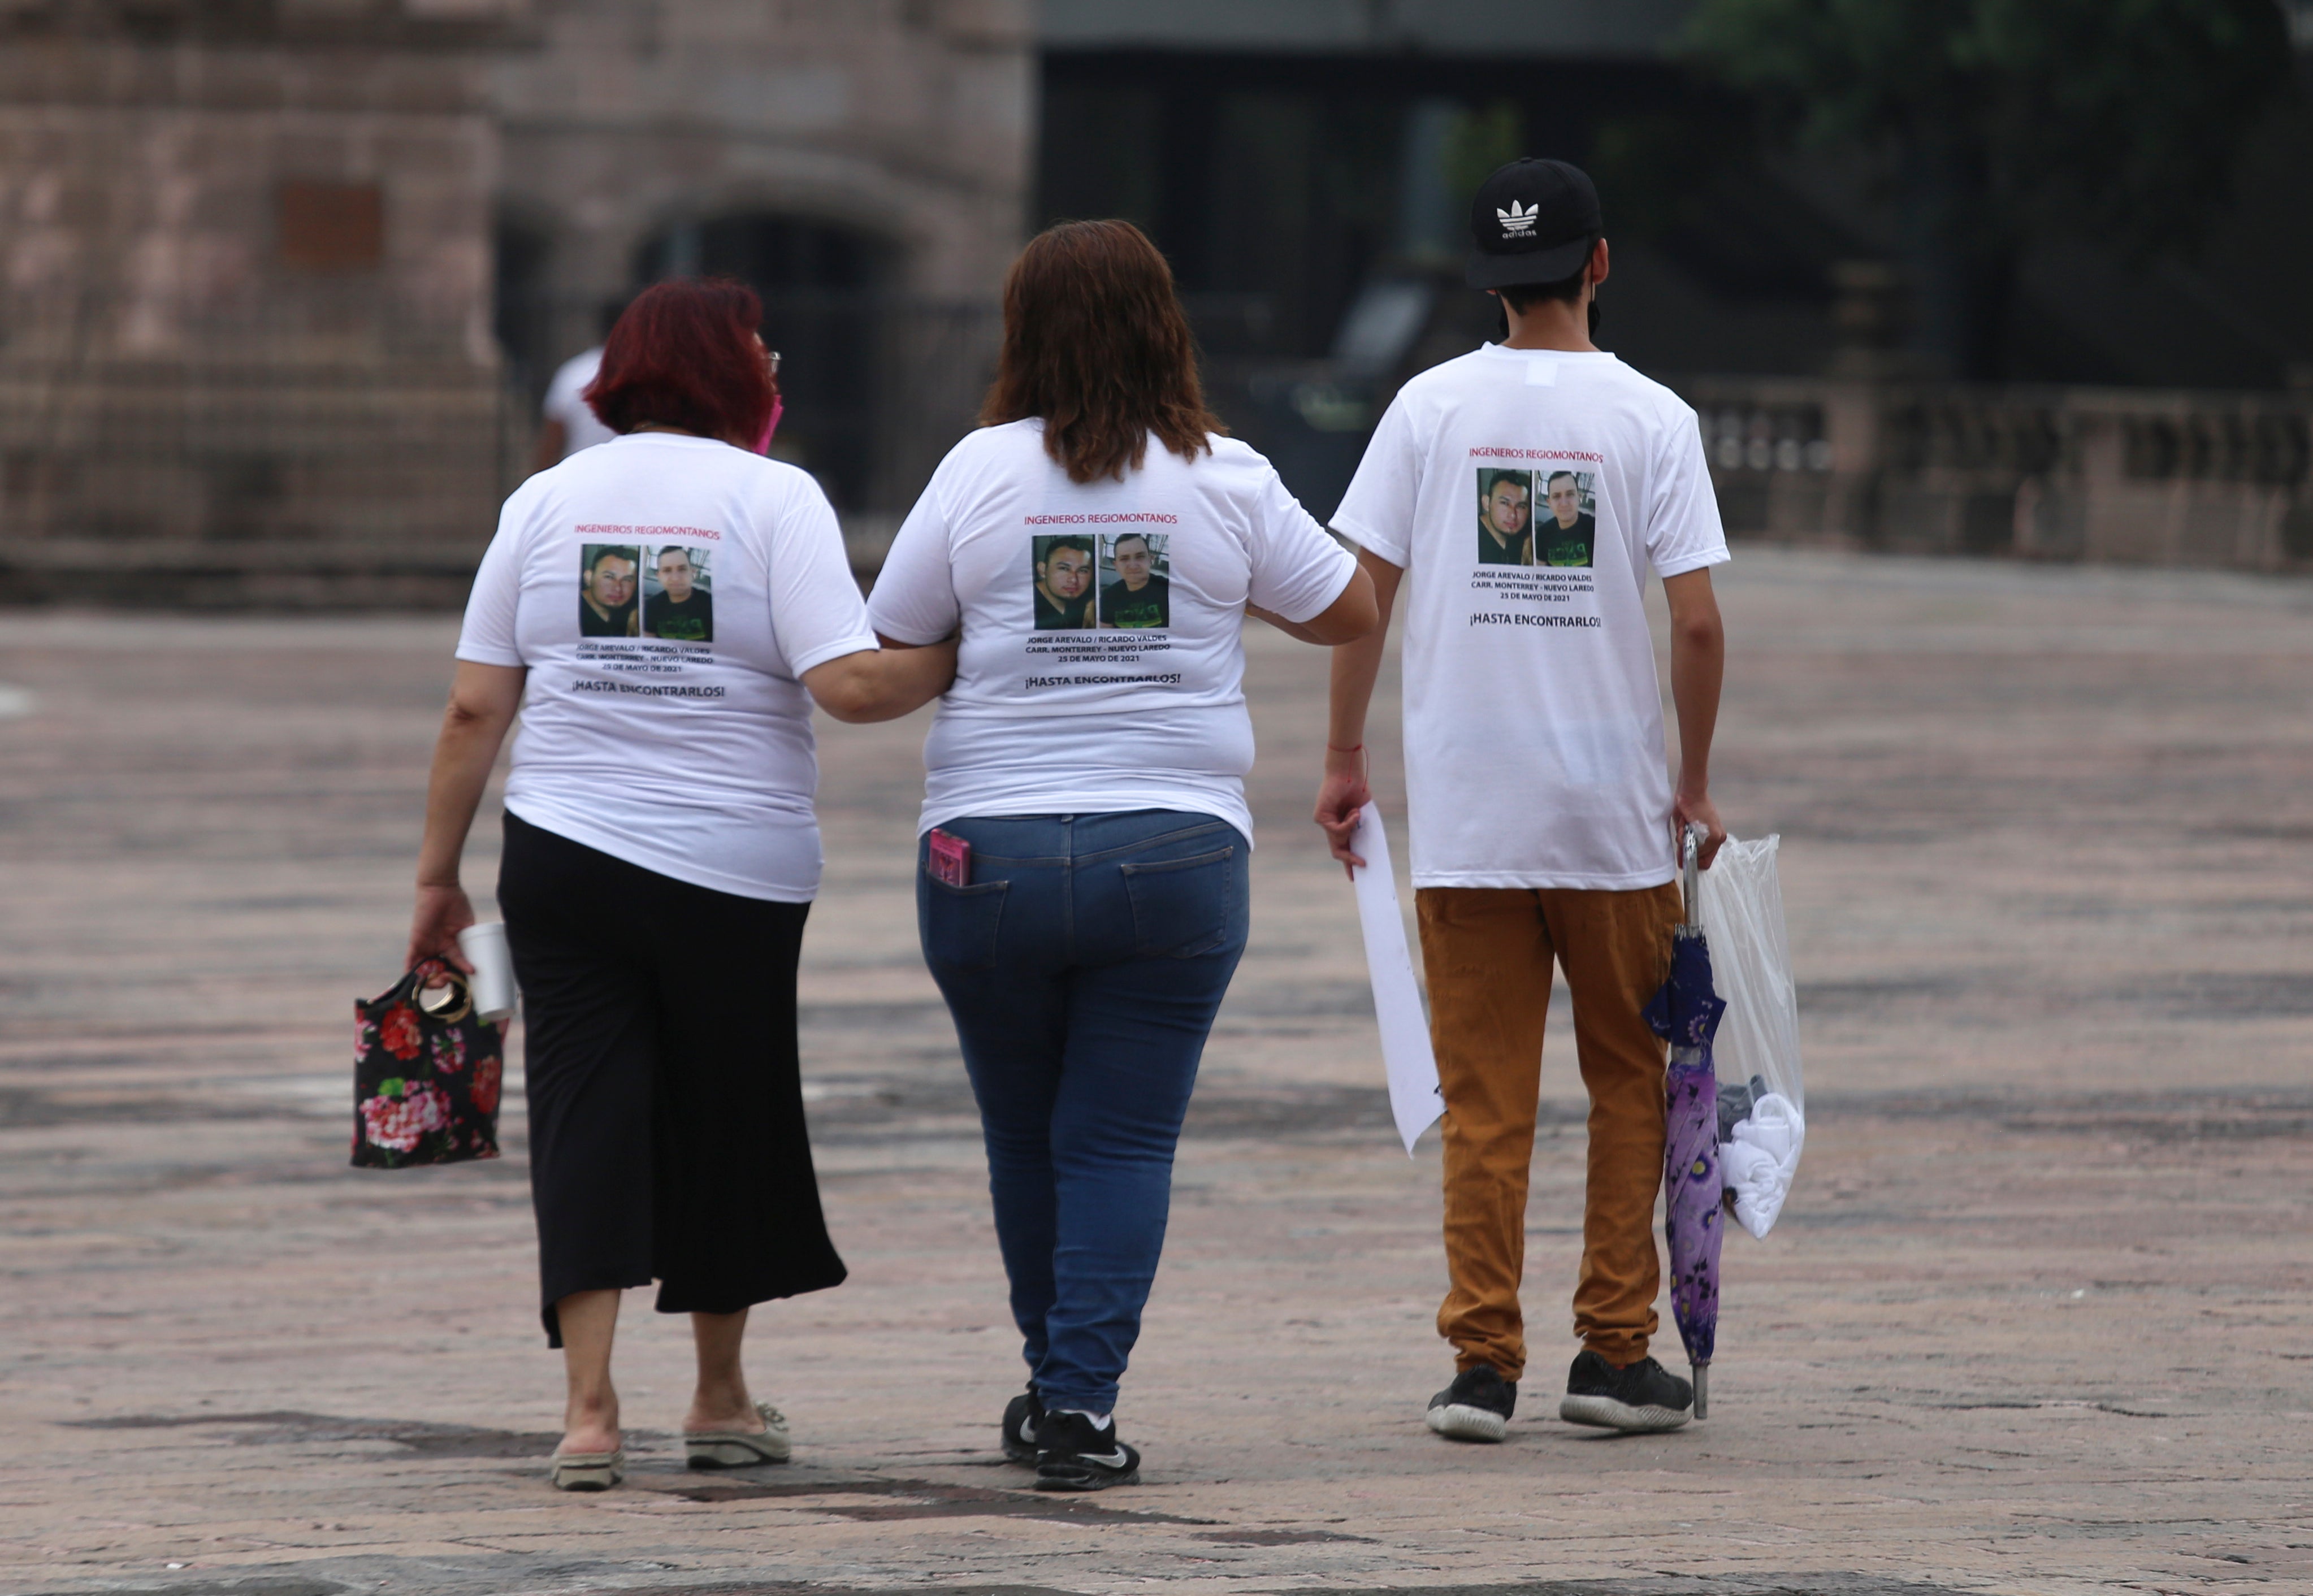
column 1085, row 944
column 660, row 857
column 567, row 423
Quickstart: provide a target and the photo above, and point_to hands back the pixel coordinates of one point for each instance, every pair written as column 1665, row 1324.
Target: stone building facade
column 904, row 122
column 245, row 267
column 262, row 262
column 865, row 165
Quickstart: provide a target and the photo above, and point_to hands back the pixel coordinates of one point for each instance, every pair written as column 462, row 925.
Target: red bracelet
column 1335, row 748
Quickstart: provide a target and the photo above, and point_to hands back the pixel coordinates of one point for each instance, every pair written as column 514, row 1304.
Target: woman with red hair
column 1082, row 896
column 665, row 608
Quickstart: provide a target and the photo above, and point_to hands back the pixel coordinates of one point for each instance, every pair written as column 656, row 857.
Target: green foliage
column 2123, row 118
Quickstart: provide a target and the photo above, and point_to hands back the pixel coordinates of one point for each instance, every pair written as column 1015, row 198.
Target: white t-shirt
column 581, row 428
column 1101, row 662
column 1526, row 493
column 663, row 720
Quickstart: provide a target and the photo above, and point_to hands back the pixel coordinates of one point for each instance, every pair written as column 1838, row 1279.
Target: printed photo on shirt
column 1060, row 570
column 1135, row 586
column 1567, row 528
column 606, row 589
column 1505, row 517
column 677, row 607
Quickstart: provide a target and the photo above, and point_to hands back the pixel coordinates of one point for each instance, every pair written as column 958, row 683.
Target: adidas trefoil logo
column 1516, row 223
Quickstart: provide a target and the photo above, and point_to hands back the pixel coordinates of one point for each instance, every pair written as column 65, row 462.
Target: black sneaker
column 1073, row 1455
column 1477, row 1406
column 1641, row 1397
column 1022, row 1414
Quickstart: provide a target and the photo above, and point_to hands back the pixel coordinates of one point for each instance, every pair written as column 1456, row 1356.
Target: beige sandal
column 588, row 1470
column 741, row 1448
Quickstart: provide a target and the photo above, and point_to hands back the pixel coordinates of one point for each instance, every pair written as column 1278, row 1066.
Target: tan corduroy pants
column 1488, row 953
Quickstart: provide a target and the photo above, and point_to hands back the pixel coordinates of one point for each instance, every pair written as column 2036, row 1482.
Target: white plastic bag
column 1763, row 1099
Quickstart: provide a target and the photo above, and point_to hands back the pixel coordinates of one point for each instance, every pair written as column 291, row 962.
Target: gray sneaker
column 1640, row 1399
column 1477, row 1406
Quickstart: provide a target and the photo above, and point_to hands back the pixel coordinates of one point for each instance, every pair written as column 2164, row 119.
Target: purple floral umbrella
column 1686, row 1013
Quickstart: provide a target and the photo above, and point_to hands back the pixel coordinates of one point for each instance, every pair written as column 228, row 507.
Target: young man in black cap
column 1541, row 682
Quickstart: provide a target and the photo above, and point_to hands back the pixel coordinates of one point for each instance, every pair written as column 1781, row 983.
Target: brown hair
column 1095, row 344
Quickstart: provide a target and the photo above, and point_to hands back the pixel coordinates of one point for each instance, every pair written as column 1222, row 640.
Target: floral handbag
column 426, row 1070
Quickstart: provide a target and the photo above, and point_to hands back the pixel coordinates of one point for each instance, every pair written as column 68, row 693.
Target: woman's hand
column 442, row 912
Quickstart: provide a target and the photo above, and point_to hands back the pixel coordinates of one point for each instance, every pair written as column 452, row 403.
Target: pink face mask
column 770, row 424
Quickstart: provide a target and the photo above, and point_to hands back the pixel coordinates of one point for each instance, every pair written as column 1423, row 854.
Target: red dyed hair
column 685, row 353
column 1095, row 343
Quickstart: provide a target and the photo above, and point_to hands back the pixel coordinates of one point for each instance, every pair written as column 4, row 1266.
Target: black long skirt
column 667, row 1140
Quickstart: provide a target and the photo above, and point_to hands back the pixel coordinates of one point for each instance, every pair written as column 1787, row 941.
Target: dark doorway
column 823, row 287
column 521, row 314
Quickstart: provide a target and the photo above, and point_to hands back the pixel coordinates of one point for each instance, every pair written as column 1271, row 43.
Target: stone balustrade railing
column 2128, row 475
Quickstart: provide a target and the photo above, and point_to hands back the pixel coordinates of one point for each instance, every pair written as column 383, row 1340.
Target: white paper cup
column 484, row 948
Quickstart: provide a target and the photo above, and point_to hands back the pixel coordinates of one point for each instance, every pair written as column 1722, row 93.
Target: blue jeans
column 1084, row 964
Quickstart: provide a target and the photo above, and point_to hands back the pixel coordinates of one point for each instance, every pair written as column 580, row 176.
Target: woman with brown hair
column 1082, row 884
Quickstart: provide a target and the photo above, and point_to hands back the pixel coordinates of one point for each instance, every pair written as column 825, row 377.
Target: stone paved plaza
column 2039, row 1318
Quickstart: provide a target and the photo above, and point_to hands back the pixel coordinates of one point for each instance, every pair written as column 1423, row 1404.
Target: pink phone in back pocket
column 951, row 860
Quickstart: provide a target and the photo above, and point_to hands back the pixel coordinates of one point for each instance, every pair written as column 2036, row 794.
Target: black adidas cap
column 1533, row 222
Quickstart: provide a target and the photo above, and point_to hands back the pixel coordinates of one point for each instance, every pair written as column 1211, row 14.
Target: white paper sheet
column 1414, row 1100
